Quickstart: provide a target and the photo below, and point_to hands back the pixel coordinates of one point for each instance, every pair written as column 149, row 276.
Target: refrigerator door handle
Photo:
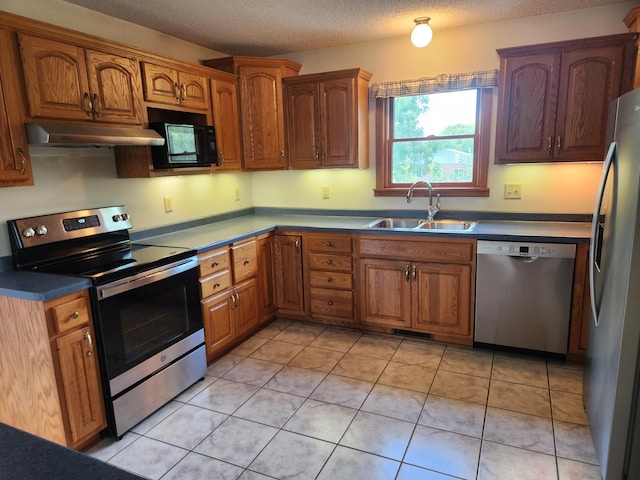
column 611, row 153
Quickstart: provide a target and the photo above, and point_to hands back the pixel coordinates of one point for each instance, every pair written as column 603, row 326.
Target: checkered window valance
column 442, row 83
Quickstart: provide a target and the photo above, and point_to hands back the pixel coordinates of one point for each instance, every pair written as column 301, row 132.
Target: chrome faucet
column 431, row 209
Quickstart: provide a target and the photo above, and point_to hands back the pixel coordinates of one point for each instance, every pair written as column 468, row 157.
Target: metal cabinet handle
column 183, row 92
column 176, row 91
column 550, row 146
column 329, row 279
column 246, row 262
column 330, row 302
column 329, row 262
column 217, row 285
column 75, row 315
column 215, row 263
column 282, row 155
column 406, row 272
column 97, row 105
column 414, row 271
column 329, row 244
column 233, row 300
column 87, row 337
column 220, row 158
column 558, row 145
column 297, row 243
column 23, row 161
column 237, row 298
column 87, row 105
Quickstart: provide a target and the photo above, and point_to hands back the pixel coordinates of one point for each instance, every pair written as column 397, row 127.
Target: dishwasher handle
column 525, row 259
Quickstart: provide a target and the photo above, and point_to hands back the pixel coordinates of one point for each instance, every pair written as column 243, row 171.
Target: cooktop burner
column 92, row 243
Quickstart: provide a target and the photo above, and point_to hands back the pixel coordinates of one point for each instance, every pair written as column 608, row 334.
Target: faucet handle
column 438, row 201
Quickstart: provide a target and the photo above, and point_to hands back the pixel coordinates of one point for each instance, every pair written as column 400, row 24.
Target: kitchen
column 90, row 174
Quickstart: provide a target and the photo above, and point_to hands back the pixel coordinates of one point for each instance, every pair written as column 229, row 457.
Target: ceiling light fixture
column 422, row 33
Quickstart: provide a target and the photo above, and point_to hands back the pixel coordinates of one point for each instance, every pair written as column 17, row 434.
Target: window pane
column 449, row 160
column 451, row 113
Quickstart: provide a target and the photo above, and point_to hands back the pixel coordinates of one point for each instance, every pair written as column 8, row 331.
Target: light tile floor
column 306, row 401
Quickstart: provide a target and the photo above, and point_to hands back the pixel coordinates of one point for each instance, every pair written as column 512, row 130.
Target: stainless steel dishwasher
column 523, row 294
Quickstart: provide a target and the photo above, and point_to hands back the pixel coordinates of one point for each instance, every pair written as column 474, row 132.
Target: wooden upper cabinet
column 64, row 81
column 227, row 121
column 261, row 107
column 326, row 119
column 175, row 87
column 553, row 99
column 15, row 164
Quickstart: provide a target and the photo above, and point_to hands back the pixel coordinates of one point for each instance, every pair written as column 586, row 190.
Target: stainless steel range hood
column 70, row 135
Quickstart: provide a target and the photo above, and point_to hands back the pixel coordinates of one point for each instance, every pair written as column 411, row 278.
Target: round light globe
column 421, row 35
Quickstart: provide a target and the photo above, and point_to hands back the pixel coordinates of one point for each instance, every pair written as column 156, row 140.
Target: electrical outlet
column 512, row 190
column 168, row 204
column 325, row 192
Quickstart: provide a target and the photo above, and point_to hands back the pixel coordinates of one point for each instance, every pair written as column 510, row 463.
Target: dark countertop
column 25, row 456
column 42, row 287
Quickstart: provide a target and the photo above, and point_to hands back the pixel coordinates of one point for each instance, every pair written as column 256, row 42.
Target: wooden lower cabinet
column 580, row 306
column 288, row 274
column 229, row 292
column 50, row 376
column 422, row 285
column 267, row 306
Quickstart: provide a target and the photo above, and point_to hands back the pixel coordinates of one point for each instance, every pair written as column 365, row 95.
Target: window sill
column 443, row 191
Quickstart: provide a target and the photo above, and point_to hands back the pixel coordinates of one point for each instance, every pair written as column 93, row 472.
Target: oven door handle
column 145, row 278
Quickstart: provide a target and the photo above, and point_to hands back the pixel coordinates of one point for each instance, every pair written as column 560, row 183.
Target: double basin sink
column 390, row 223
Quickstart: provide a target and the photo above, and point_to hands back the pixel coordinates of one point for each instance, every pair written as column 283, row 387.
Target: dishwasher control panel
column 520, row 249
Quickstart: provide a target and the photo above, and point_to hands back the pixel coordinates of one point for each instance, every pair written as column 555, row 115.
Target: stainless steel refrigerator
column 612, row 370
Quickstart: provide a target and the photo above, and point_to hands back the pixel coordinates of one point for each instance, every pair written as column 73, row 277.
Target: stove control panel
column 41, row 230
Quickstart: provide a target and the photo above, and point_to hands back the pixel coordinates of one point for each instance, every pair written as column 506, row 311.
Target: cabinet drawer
column 331, row 280
column 215, row 283
column 214, row 261
column 453, row 250
column 329, row 243
column 334, row 263
column 333, row 303
column 70, row 314
column 245, row 260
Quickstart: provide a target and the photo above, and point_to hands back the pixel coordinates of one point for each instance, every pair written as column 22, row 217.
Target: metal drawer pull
column 329, row 244
column 550, row 147
column 87, row 337
column 329, row 279
column 23, row 162
column 217, row 284
column 75, row 315
column 97, row 105
column 215, row 264
column 329, row 262
column 246, row 262
column 406, row 272
column 414, row 272
column 330, row 302
column 86, row 102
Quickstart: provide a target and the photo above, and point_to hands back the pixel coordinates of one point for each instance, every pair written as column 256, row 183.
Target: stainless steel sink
column 422, row 224
column 448, row 225
column 396, row 223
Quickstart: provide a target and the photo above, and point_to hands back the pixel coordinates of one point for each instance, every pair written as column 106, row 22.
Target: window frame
column 476, row 188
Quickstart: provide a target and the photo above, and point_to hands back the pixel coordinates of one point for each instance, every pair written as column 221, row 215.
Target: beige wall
column 79, row 178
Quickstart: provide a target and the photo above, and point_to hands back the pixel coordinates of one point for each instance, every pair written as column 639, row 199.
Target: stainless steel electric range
column 145, row 302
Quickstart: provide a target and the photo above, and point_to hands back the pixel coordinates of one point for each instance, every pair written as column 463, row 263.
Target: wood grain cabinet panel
column 64, row 81
column 227, row 121
column 326, row 120
column 288, row 273
column 554, row 98
column 15, row 163
column 175, row 87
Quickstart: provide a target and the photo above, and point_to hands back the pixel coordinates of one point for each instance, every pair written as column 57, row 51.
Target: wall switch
column 325, row 192
column 512, row 190
column 237, row 194
column 168, row 204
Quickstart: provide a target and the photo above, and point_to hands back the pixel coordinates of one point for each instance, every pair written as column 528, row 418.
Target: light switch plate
column 512, row 191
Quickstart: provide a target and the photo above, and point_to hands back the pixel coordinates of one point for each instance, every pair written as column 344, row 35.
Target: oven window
column 139, row 323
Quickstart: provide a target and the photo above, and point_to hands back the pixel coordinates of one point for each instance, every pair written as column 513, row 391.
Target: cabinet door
column 338, row 120
column 15, row 165
column 194, row 90
column 219, row 328
column 55, row 77
column 442, row 298
column 527, row 108
column 115, row 88
column 288, row 273
column 265, row 279
column 245, row 306
column 590, row 80
column 302, row 116
column 81, row 384
column 385, row 292
column 160, row 84
column 262, row 118
column 227, row 123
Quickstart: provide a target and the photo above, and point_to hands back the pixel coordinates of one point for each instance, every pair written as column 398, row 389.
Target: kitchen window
column 434, row 129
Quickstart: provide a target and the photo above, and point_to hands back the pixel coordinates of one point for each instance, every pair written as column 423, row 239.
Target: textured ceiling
column 277, row 27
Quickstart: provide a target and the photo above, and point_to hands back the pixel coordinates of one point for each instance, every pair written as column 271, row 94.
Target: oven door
column 140, row 316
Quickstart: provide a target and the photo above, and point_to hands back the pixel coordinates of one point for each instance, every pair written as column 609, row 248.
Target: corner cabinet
column 51, row 377
column 65, row 81
column 326, row 119
column 15, row 164
column 423, row 285
column 261, row 107
column 554, row 98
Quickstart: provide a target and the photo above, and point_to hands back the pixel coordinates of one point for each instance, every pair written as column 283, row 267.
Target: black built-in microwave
column 185, row 145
